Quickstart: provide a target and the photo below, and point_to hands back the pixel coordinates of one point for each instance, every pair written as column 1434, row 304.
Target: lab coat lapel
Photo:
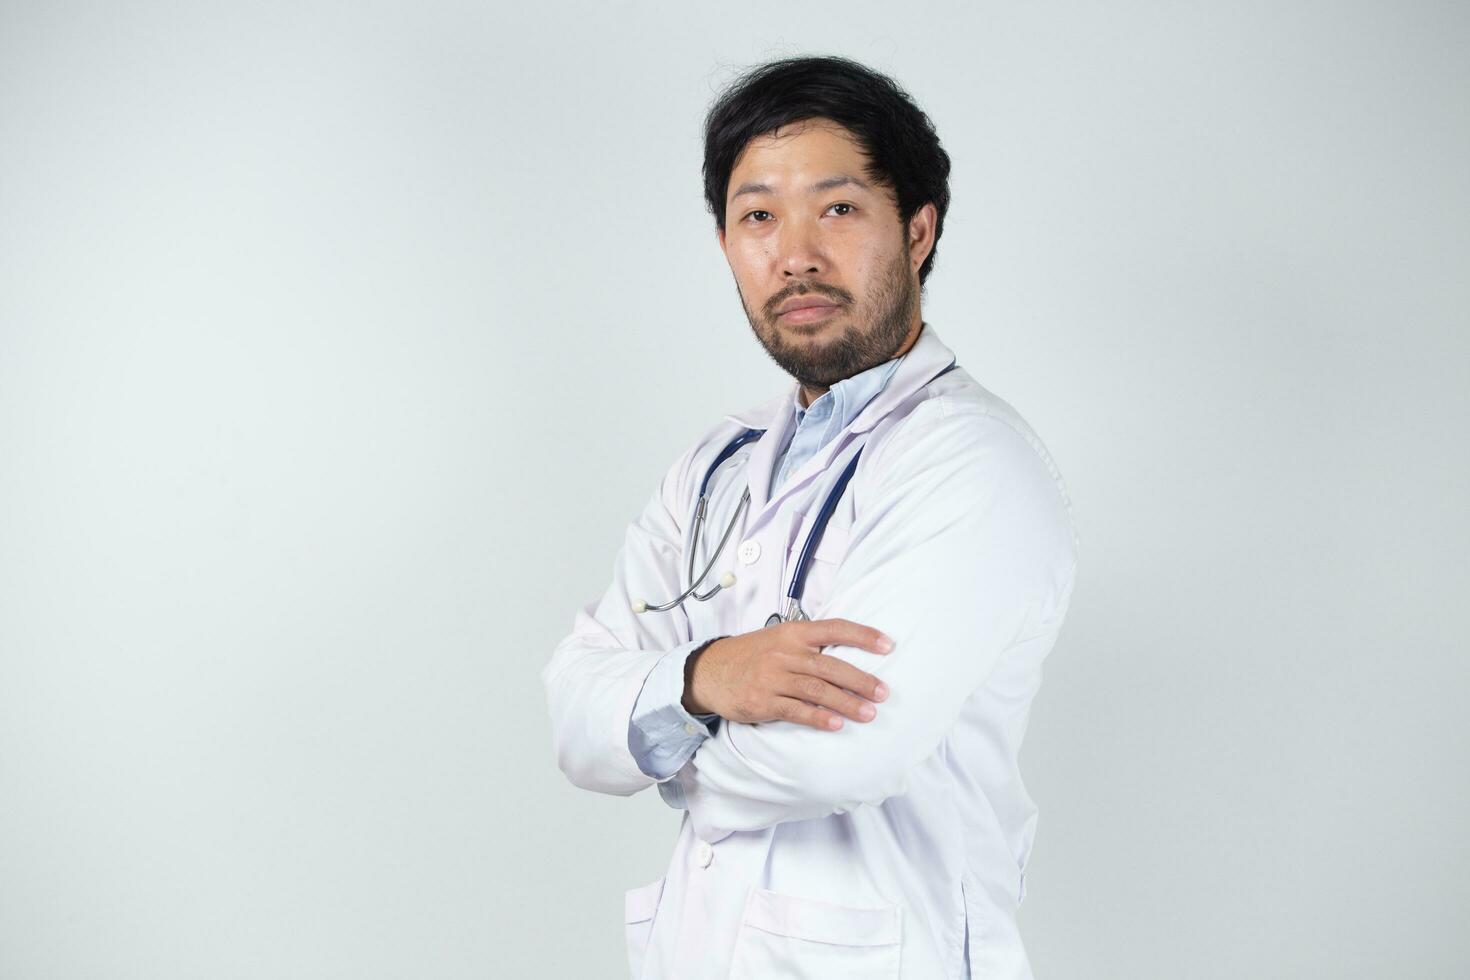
column 776, row 417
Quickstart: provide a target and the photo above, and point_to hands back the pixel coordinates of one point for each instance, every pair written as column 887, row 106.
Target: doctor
column 848, row 771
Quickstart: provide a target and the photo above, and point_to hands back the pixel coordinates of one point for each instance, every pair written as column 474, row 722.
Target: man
column 853, row 805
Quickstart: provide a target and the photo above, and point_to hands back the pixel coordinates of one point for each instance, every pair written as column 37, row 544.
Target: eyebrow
column 821, row 185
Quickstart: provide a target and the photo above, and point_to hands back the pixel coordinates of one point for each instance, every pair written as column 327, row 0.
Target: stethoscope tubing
column 798, row 580
column 792, row 610
column 724, row 539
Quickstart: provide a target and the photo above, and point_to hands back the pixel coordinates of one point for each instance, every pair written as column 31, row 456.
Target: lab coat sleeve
column 597, row 673
column 962, row 548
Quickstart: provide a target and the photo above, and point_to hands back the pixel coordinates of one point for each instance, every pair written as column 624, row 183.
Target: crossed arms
column 962, row 549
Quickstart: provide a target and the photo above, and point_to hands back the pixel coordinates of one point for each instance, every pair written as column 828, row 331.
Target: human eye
column 843, row 204
column 750, row 214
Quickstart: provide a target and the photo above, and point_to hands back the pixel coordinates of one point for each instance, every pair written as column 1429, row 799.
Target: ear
column 921, row 234
column 720, row 236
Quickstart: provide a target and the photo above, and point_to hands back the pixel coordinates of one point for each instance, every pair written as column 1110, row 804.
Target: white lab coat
column 884, row 848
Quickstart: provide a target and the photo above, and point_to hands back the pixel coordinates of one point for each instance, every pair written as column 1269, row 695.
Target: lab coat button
column 750, row 551
column 704, row 854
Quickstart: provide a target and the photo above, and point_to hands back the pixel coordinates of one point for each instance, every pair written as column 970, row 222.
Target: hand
column 780, row 674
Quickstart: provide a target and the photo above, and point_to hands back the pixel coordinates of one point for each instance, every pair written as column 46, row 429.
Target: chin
column 812, row 329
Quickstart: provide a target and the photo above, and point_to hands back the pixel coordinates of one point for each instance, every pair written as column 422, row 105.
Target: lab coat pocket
column 796, row 938
column 833, row 545
column 639, row 906
column 968, row 891
column 821, row 575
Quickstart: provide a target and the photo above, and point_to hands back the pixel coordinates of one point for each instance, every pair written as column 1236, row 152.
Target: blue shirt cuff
column 662, row 734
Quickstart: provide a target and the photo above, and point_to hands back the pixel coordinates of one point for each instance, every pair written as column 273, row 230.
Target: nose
column 799, row 250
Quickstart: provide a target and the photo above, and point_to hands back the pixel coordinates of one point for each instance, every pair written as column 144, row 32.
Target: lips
column 802, row 303
column 808, row 314
column 817, row 306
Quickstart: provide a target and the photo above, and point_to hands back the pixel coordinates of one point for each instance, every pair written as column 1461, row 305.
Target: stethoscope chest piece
column 793, row 613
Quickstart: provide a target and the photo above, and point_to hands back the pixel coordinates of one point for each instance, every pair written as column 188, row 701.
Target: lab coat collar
column 923, row 361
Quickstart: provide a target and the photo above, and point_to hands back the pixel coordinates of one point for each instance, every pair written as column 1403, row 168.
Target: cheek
column 864, row 257
column 879, row 266
column 747, row 261
column 864, row 277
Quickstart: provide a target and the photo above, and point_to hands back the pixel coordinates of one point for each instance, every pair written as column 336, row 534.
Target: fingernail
column 880, row 692
column 885, row 642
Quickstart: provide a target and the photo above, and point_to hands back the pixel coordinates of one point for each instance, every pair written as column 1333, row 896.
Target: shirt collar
column 841, row 403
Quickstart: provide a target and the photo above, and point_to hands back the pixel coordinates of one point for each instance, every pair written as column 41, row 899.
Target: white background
column 340, row 342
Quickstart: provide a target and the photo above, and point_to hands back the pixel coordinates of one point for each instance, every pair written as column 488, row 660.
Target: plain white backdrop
column 340, row 342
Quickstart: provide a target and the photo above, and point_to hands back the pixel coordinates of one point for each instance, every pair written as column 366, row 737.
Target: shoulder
column 972, row 449
column 959, row 414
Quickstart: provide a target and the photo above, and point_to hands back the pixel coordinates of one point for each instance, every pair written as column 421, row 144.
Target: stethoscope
column 792, row 611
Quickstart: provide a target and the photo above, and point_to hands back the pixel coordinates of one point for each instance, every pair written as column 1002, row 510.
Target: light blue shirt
column 662, row 735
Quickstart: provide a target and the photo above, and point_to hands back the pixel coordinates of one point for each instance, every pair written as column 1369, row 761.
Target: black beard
column 824, row 364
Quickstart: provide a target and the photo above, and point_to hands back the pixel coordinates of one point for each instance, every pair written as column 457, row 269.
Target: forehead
column 798, row 149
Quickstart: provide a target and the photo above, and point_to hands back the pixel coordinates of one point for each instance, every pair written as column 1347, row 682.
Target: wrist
column 688, row 701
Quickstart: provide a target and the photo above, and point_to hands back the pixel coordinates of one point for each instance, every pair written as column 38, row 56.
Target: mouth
column 807, row 314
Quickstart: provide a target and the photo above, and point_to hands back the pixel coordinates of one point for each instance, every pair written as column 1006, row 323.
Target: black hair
column 898, row 139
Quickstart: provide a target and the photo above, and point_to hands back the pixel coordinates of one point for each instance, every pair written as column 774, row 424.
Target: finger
column 816, row 691
column 801, row 713
column 829, row 632
column 837, row 671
